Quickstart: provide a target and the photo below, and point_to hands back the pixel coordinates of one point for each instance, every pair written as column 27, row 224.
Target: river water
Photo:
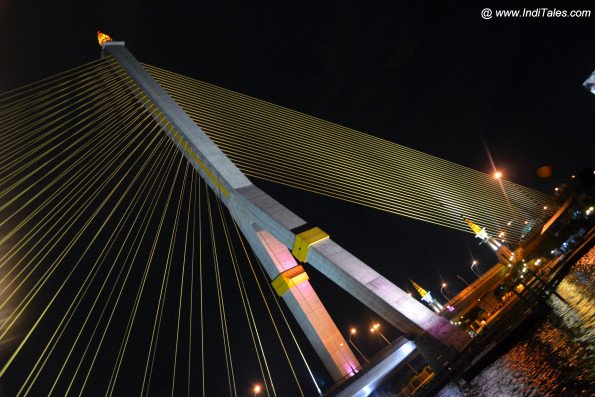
column 557, row 355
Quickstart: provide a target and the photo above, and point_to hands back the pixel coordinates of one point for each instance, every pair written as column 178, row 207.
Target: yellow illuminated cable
column 173, row 155
column 221, row 303
column 42, row 166
column 67, row 74
column 51, row 217
column 192, row 214
column 244, row 297
column 39, row 240
column 124, row 344
column 37, row 143
column 134, row 200
column 173, row 380
column 315, row 131
column 43, row 280
column 139, row 237
column 164, row 286
column 96, row 132
column 200, row 278
column 71, row 243
column 87, row 282
column 33, row 108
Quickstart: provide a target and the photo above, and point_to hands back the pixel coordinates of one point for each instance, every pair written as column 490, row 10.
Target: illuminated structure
column 502, row 252
column 427, row 297
column 279, row 238
column 103, row 38
column 325, row 158
column 589, row 84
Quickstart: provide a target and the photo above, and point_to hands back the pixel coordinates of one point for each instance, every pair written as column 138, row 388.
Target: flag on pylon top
column 103, row 38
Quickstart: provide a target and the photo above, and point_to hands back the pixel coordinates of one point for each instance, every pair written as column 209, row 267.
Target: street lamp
column 352, row 332
column 442, row 292
column 375, row 328
column 256, row 389
column 497, row 175
column 462, row 279
column 473, row 270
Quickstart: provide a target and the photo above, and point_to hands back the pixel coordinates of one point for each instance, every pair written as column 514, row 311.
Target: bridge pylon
column 280, row 238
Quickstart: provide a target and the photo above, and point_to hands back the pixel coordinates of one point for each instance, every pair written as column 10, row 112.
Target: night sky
column 439, row 79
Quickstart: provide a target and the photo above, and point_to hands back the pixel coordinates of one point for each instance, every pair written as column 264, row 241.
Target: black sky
column 433, row 76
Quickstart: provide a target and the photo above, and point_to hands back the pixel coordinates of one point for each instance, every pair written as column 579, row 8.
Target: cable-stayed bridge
column 110, row 256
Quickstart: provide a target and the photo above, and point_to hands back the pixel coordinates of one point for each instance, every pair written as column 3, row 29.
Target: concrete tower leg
column 291, row 283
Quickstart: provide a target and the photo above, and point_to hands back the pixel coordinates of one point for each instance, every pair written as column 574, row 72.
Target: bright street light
column 352, row 332
column 442, row 292
column 375, row 328
column 473, row 270
column 497, row 175
column 256, row 389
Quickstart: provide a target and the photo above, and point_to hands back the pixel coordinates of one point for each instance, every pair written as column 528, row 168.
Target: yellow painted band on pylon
column 289, row 279
column 303, row 241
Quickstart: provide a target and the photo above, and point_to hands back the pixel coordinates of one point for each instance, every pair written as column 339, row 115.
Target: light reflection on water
column 557, row 357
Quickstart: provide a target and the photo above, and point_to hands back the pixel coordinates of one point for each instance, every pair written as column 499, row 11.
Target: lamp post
column 474, row 263
column 375, row 328
column 462, row 279
column 352, row 332
column 442, row 292
column 256, row 390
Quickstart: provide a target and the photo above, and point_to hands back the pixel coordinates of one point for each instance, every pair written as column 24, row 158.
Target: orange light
column 497, row 175
column 353, row 331
column 103, row 38
column 257, row 389
column 544, row 172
